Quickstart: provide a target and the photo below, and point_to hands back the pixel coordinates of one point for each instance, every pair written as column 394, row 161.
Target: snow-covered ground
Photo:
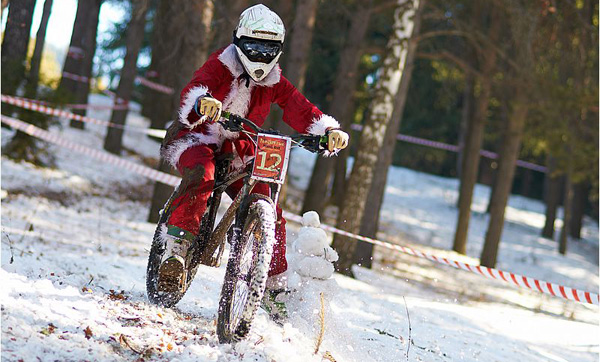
column 75, row 242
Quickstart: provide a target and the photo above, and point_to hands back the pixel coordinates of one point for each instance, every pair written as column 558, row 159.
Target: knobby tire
column 247, row 269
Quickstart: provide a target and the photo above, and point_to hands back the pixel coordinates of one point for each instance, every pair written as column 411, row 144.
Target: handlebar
column 312, row 143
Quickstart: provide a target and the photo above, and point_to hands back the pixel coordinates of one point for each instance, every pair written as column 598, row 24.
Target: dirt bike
column 248, row 226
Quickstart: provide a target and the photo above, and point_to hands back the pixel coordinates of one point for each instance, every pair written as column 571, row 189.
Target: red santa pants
column 190, row 206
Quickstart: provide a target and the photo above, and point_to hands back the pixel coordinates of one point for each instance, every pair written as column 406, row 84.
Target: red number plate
column 272, row 154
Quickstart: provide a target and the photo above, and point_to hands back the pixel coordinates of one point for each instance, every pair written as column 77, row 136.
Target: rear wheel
column 246, row 274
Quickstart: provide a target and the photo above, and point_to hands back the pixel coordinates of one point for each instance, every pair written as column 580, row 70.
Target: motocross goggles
column 259, row 50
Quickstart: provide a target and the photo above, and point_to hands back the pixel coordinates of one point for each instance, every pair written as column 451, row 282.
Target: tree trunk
column 229, row 13
column 504, row 178
column 285, row 10
column 14, row 55
column 178, row 50
column 526, row 180
column 492, row 175
column 552, row 185
column 187, row 51
column 580, row 198
column 567, row 204
column 297, row 60
column 160, row 194
column 89, row 46
column 157, row 105
column 34, row 70
column 135, row 37
column 340, row 108
column 195, row 42
column 474, row 137
column 14, row 46
column 466, row 114
column 370, row 219
column 76, row 52
column 299, row 49
column 371, row 141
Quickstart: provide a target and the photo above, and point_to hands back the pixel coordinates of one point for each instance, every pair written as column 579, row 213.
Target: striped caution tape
column 97, row 106
column 141, row 80
column 153, row 85
column 454, row 148
column 75, row 77
column 76, row 52
column 99, row 155
column 42, row 108
column 121, row 106
column 516, row 279
column 511, row 278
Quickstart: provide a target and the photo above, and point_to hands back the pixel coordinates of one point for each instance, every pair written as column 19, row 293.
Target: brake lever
column 231, row 125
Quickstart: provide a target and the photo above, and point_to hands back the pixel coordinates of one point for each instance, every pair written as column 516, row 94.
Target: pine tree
column 36, row 59
column 340, row 108
column 178, row 50
column 373, row 135
column 14, row 45
column 370, row 220
column 135, row 37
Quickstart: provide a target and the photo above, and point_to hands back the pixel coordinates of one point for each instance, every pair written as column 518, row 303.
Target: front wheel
column 246, row 274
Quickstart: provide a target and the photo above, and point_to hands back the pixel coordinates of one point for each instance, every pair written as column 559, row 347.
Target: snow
column 313, row 256
column 75, row 242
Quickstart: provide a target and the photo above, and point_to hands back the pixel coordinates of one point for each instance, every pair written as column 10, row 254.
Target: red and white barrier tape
column 143, row 81
column 76, row 52
column 109, row 93
column 454, row 148
column 97, row 106
column 511, row 278
column 100, row 155
column 153, row 85
column 75, row 77
column 29, row 104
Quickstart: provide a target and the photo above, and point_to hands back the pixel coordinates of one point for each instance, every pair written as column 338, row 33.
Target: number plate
column 272, row 155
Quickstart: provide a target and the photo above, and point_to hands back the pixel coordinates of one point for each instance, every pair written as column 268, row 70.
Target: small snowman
column 313, row 257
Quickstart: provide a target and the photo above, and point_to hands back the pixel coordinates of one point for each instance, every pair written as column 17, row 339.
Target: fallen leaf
column 169, row 347
column 88, row 332
column 48, row 330
column 117, row 295
column 86, row 290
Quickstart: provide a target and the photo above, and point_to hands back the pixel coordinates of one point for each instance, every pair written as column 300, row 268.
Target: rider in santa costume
column 243, row 79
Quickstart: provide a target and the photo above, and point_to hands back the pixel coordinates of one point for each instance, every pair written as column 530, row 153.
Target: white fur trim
column 319, row 126
column 173, row 151
column 238, row 99
column 221, row 134
column 214, row 135
column 188, row 105
column 230, row 59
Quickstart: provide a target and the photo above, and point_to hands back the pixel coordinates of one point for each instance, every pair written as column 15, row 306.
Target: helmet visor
column 260, row 50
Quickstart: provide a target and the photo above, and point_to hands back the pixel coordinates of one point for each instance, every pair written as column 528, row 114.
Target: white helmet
column 259, row 40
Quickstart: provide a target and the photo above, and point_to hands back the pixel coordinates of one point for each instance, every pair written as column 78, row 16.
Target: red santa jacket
column 221, row 77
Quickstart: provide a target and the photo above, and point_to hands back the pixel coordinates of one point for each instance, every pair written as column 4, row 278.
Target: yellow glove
column 338, row 139
column 210, row 107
